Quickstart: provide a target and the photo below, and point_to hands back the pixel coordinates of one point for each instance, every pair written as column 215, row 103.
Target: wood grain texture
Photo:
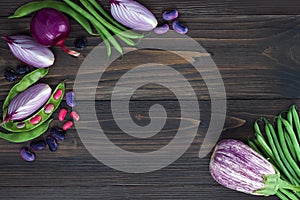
column 255, row 45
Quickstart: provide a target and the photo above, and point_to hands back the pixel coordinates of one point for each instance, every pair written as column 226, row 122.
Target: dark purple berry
column 22, row 69
column 52, row 143
column 58, row 133
column 10, row 75
column 27, row 155
column 38, row 146
column 81, row 43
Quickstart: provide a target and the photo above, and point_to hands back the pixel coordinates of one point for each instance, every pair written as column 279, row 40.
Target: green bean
column 256, row 127
column 253, row 146
column 28, row 80
column 289, row 194
column 105, row 41
column 263, row 144
column 286, row 152
column 13, row 126
column 277, row 154
column 26, row 135
column 88, row 16
column 293, row 137
column 60, row 6
column 293, row 109
column 290, row 145
column 289, row 117
column 117, row 31
column 281, row 195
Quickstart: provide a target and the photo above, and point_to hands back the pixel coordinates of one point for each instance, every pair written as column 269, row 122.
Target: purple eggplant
column 236, row 166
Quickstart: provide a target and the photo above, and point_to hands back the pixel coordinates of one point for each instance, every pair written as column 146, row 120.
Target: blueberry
column 10, row 75
column 52, row 143
column 81, row 43
column 38, row 145
column 22, row 69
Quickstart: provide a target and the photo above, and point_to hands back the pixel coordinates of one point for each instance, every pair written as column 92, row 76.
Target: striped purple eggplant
column 236, row 166
column 28, row 102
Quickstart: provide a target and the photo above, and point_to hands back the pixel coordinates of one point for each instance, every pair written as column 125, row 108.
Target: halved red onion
column 30, row 52
column 28, row 102
column 133, row 15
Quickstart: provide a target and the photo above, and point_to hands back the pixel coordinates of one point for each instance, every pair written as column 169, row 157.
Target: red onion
column 133, row 15
column 30, row 52
column 27, row 102
column 49, row 27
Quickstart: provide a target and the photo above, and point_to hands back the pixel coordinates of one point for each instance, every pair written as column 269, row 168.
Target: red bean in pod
column 70, row 99
column 67, row 125
column 52, row 143
column 49, row 108
column 62, row 114
column 27, row 155
column 74, row 115
column 36, row 119
column 57, row 94
column 58, row 133
column 38, row 145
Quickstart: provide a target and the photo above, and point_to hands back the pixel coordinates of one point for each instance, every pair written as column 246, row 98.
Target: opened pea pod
column 22, row 114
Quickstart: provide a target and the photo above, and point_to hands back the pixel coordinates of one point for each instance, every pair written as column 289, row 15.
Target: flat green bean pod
column 27, row 81
column 58, row 5
column 26, row 135
column 13, row 126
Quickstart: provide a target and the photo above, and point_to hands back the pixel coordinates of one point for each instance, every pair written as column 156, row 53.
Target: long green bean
column 294, row 112
column 293, row 137
column 88, row 16
column 277, row 156
column 285, row 149
column 115, row 30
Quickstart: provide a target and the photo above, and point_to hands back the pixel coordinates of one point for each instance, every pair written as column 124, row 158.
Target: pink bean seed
column 62, row 114
column 58, row 94
column 67, row 125
column 74, row 115
column 49, row 108
column 36, row 119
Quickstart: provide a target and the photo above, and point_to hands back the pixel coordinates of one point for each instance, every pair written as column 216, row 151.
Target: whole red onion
column 50, row 27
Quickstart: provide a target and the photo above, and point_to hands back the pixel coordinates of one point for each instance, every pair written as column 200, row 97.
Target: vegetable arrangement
column 90, row 13
column 276, row 150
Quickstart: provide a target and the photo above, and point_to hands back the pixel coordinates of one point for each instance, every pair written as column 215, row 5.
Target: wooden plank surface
column 254, row 44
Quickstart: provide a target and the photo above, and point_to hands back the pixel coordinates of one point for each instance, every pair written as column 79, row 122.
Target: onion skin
column 50, row 27
column 27, row 102
column 30, row 52
column 133, row 15
column 238, row 167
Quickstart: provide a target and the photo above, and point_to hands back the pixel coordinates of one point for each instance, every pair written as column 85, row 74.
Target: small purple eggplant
column 179, row 28
column 27, row 155
column 236, row 166
column 170, row 15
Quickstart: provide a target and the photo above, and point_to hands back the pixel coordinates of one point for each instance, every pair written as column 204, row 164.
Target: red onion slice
column 30, row 52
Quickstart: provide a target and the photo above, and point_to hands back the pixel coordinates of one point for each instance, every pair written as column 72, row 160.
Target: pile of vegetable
column 92, row 17
column 270, row 167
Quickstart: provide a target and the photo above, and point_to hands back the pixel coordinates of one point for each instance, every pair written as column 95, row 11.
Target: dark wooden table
column 255, row 45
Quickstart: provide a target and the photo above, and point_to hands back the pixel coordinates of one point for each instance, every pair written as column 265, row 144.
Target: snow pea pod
column 26, row 135
column 44, row 116
column 60, row 6
column 27, row 81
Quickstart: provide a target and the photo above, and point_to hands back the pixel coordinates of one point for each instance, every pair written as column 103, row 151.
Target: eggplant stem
column 286, row 185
